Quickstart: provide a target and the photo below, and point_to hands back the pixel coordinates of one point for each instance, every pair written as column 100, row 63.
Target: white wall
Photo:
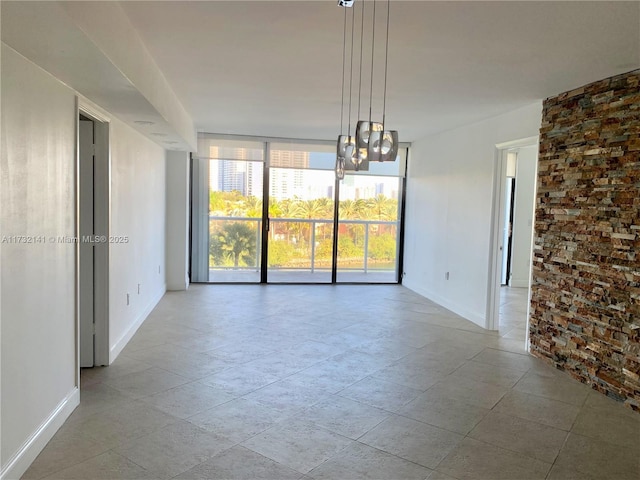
column 37, row 280
column 449, row 210
column 522, row 238
column 138, row 207
column 37, row 283
column 177, row 251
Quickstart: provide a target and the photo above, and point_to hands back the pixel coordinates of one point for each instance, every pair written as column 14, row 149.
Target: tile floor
column 335, row 382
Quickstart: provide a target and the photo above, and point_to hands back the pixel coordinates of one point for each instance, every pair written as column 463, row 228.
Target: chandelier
column 371, row 141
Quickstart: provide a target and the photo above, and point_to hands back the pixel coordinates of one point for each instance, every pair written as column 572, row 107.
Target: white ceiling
column 273, row 68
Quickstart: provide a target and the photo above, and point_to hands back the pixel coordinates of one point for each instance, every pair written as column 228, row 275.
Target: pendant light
column 372, row 141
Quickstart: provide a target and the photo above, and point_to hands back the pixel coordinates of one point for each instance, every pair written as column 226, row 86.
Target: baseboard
column 20, row 462
column 470, row 315
column 115, row 350
column 178, row 287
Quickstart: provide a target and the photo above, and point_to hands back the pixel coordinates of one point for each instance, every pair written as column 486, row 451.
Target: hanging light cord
column 373, row 44
column 386, row 61
column 353, row 16
column 361, row 50
column 344, row 59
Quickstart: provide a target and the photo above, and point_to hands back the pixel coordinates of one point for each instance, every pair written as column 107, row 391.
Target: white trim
column 119, row 345
column 24, row 457
column 497, row 228
column 492, row 319
column 178, row 287
column 93, row 110
column 103, row 226
column 523, row 142
column 470, row 315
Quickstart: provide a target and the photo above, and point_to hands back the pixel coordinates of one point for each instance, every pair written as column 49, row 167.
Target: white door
column 86, row 229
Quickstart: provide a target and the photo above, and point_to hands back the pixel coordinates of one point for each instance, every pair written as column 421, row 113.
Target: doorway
column 512, row 233
column 510, row 194
column 93, row 202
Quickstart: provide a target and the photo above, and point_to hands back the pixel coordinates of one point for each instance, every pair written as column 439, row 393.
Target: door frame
column 497, row 229
column 102, row 226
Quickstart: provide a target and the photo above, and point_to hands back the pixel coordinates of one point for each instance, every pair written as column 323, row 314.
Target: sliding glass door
column 368, row 229
column 265, row 211
column 301, row 209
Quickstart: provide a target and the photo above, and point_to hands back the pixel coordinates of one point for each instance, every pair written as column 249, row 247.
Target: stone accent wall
column 585, row 306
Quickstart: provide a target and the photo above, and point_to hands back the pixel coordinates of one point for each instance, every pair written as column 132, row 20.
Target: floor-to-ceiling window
column 264, row 211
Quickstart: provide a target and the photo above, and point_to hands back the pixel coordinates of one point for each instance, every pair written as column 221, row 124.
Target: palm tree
column 351, row 209
column 312, row 209
column 382, row 207
column 253, row 207
column 239, row 240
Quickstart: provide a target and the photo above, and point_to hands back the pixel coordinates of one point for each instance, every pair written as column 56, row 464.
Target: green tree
column 352, row 209
column 252, row 207
column 382, row 247
column 238, row 240
column 382, row 207
column 309, row 209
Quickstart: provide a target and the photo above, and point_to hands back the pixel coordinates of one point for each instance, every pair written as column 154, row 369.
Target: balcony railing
column 280, row 229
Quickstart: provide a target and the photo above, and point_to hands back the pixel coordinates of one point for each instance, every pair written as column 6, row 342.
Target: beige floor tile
column 239, row 380
column 440, row 476
column 299, row 445
column 598, row 401
column 472, row 459
column 238, row 420
column 361, row 462
column 450, row 414
column 119, row 425
column 613, row 426
column 538, row 409
column 494, row 374
column 339, row 360
column 519, row 435
column 122, row 365
column 418, row 377
column 356, row 362
column 562, row 473
column 242, row 352
column 146, row 382
column 287, row 396
column 599, row 459
column 378, row 393
column 174, row 449
column 108, row 466
column 239, row 463
column 97, row 398
column 564, row 389
column 412, row 440
column 501, row 358
column 188, row 399
column 389, row 349
column 469, row 391
column 345, row 417
column 69, row 446
column 328, row 377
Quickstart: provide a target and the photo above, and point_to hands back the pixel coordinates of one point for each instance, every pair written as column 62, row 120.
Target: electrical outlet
column 127, row 299
column 446, row 276
column 158, row 269
column 138, row 289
